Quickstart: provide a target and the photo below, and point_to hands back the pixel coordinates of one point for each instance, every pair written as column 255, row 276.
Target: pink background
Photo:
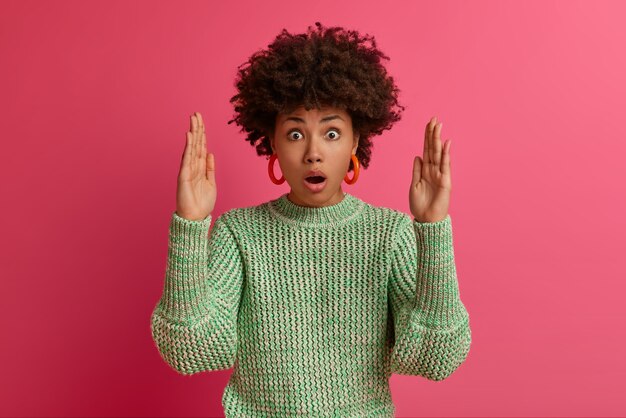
column 96, row 98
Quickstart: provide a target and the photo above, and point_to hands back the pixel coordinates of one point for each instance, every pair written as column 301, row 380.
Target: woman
column 315, row 297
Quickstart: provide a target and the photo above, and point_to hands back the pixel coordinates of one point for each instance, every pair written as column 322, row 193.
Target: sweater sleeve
column 194, row 323
column 432, row 334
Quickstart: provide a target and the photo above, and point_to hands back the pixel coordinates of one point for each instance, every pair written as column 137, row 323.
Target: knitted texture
column 313, row 307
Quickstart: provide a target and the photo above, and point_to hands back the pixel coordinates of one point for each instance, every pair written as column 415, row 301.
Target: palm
column 429, row 195
column 197, row 189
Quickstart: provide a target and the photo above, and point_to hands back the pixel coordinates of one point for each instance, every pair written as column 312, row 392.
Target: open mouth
column 315, row 184
column 315, row 179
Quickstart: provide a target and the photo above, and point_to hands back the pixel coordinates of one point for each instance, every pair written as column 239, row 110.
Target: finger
column 417, row 170
column 203, row 150
column 431, row 133
column 436, row 145
column 203, row 136
column 201, row 141
column 196, row 132
column 187, row 151
column 426, row 152
column 193, row 138
column 445, row 160
column 200, row 122
column 210, row 168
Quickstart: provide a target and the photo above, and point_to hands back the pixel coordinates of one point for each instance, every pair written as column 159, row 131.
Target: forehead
column 314, row 115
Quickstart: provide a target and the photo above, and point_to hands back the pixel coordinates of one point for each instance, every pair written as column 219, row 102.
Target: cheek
column 290, row 158
column 338, row 169
column 290, row 163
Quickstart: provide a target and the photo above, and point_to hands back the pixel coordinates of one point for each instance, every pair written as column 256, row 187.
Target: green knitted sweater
column 313, row 307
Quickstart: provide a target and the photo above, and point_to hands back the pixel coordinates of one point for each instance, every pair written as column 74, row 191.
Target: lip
column 315, row 188
column 315, row 173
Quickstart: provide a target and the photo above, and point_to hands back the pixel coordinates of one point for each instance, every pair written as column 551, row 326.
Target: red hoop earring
column 357, row 168
column 270, row 170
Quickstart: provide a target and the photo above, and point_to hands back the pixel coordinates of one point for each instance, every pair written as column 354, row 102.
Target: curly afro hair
column 327, row 66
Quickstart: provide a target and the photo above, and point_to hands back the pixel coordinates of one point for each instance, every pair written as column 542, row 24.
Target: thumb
column 210, row 167
column 417, row 169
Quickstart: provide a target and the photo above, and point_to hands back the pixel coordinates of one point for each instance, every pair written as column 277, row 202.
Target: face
column 317, row 139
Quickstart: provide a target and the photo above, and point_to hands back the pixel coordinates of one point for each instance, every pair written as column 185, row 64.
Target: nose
column 312, row 152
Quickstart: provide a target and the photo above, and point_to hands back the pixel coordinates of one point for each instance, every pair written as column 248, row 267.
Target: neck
column 330, row 215
column 337, row 197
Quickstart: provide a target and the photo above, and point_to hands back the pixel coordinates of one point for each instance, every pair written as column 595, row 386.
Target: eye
column 337, row 135
column 333, row 133
column 293, row 132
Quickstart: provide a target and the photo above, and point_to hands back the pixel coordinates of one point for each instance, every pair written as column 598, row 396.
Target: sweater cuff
column 186, row 291
column 181, row 223
column 437, row 301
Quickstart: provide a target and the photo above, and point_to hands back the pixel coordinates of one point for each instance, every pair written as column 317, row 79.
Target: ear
column 356, row 143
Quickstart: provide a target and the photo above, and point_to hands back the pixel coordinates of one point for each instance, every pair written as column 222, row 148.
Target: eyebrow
column 324, row 119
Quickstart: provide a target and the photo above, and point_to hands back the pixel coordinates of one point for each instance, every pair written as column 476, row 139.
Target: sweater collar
column 349, row 207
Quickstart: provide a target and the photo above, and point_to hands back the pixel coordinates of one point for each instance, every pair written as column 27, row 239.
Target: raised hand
column 429, row 195
column 197, row 191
